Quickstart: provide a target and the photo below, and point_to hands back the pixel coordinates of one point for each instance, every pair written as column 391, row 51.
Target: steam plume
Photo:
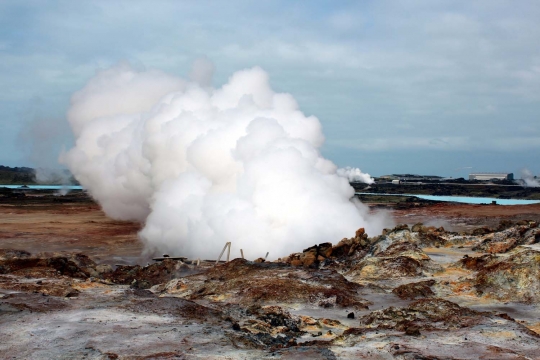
column 201, row 166
column 355, row 175
column 41, row 139
column 529, row 179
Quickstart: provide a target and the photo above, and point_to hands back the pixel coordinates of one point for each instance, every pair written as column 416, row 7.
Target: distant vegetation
column 17, row 176
column 27, row 176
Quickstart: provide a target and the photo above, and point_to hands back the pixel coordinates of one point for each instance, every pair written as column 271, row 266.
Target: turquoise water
column 465, row 199
column 459, row 199
column 45, row 187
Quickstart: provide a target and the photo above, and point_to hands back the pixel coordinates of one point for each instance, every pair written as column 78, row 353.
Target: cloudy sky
column 419, row 86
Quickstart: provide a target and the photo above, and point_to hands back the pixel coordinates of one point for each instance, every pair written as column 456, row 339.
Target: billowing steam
column 355, row 175
column 201, row 166
column 529, row 179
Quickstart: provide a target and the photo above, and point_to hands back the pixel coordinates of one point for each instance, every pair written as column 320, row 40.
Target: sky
column 419, row 86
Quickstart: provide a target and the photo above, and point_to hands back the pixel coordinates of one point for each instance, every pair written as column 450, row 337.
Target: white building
column 491, row 176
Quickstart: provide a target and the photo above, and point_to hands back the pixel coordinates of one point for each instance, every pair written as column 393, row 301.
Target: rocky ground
column 413, row 292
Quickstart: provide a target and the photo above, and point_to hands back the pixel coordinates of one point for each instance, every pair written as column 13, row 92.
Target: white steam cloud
column 355, row 175
column 201, row 166
column 529, row 179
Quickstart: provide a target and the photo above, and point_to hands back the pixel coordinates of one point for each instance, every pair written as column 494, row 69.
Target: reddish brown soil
column 76, row 224
column 79, row 226
column 461, row 217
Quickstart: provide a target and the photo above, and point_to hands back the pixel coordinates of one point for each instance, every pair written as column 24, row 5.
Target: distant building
column 403, row 178
column 491, row 176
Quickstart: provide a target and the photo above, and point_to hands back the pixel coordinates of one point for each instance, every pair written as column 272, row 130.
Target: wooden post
column 242, row 253
column 228, row 251
column 227, row 244
column 266, row 255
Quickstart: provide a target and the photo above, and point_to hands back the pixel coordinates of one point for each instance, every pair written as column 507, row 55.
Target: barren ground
column 417, row 292
column 79, row 225
column 38, row 224
column 463, row 217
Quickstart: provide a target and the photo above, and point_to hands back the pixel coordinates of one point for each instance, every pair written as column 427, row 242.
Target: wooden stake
column 266, row 255
column 242, row 253
column 227, row 244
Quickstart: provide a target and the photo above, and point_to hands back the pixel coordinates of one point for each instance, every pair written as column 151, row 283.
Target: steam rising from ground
column 41, row 139
column 529, row 179
column 355, row 175
column 202, row 166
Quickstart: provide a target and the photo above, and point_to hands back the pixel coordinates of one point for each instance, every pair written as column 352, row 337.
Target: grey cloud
column 446, row 69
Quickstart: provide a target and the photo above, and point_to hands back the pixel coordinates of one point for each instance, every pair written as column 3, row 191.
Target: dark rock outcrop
column 415, row 290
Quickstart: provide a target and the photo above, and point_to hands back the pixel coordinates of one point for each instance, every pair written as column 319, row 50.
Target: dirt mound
column 394, row 254
column 385, row 268
column 49, row 286
column 403, row 248
column 415, row 290
column 475, row 263
column 397, row 250
column 430, row 235
column 432, row 328
column 424, row 314
column 80, row 266
column 144, row 277
column 508, row 238
column 396, row 260
column 512, row 278
column 244, row 282
column 9, row 254
column 23, row 263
